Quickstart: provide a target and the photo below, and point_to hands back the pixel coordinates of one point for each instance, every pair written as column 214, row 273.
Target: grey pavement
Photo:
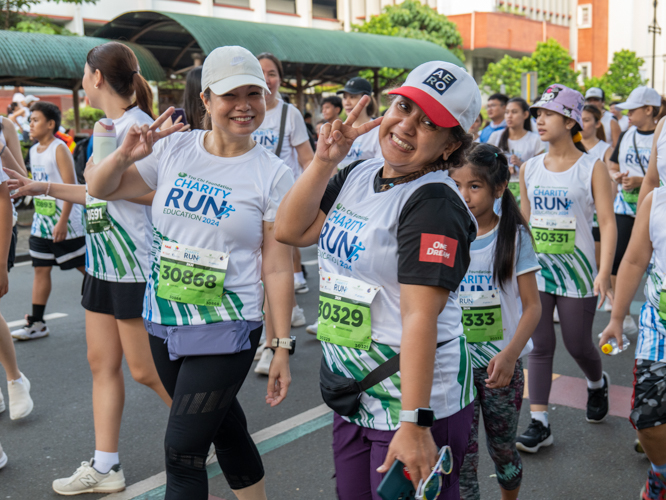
column 586, row 462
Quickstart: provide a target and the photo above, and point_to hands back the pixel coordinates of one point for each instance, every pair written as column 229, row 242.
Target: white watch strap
column 284, row 343
column 408, row 416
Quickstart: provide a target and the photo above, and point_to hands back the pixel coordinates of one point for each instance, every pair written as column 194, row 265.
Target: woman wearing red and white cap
column 393, row 236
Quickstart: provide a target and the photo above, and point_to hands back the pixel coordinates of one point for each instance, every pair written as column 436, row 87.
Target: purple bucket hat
column 562, row 100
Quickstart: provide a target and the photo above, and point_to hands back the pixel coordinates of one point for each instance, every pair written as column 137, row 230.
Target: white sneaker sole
column 311, row 331
column 37, row 335
column 3, row 460
column 298, row 323
column 109, row 488
column 546, row 442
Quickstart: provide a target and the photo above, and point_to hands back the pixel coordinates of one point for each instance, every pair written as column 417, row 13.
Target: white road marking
column 310, row 262
column 260, row 436
column 21, row 322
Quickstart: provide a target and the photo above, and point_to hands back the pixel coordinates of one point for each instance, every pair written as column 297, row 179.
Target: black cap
column 357, row 85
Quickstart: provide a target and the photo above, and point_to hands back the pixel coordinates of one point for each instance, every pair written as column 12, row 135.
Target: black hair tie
column 133, row 73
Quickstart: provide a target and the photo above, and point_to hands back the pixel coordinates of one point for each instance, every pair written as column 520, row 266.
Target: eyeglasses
column 432, row 487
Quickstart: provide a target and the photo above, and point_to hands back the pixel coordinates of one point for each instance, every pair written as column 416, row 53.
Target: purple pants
column 358, row 451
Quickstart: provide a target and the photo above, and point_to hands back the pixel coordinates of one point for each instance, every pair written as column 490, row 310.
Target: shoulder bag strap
column 638, row 156
column 385, row 370
column 283, row 122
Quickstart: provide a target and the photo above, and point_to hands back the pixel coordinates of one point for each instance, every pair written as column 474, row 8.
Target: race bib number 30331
column 554, row 234
column 344, row 311
column 191, row 275
column 481, row 316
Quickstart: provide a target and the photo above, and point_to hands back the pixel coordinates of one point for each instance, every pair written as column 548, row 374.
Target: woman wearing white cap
column 393, row 236
column 628, row 166
column 216, row 194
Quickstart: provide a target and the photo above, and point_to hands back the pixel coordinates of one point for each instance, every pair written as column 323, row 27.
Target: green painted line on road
column 264, row 447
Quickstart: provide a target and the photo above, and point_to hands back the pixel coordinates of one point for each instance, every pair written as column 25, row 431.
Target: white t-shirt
column 363, row 148
column 45, row 168
column 623, row 123
column 528, row 146
column 630, row 160
column 606, row 120
column 122, row 254
column 295, row 134
column 213, row 203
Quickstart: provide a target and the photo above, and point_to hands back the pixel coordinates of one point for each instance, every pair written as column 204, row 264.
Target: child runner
column 517, row 141
column 398, row 267
column 57, row 236
column 628, row 166
column 560, row 190
column 648, row 242
column 500, row 277
column 594, row 142
column 216, row 195
column 365, row 146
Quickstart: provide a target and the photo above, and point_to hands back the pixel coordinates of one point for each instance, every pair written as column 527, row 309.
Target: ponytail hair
column 527, row 124
column 120, row 69
column 596, row 113
column 577, row 138
column 491, row 165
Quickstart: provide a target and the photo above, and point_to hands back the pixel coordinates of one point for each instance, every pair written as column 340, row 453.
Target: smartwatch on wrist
column 423, row 417
column 289, row 343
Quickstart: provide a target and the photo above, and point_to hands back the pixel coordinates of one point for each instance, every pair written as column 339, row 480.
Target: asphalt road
column 586, row 462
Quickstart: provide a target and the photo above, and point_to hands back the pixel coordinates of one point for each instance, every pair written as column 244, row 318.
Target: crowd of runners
column 446, row 254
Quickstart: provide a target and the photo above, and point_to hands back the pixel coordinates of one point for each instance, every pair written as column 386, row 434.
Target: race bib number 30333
column 344, row 311
column 191, row 275
column 481, row 316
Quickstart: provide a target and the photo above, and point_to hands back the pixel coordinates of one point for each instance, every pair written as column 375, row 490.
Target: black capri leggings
column 205, row 410
column 625, row 223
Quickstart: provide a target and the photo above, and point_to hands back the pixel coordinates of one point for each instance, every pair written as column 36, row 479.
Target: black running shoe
column 536, row 436
column 598, row 403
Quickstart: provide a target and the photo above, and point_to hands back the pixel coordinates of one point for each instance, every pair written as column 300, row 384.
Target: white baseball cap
column 641, row 96
column 230, row 67
column 595, row 93
column 31, row 98
column 446, row 93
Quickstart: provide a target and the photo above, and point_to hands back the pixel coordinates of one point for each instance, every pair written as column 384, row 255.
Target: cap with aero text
column 357, row 85
column 641, row 96
column 595, row 93
column 230, row 67
column 446, row 93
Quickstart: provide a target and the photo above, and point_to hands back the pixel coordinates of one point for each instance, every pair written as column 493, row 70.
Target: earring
column 96, row 86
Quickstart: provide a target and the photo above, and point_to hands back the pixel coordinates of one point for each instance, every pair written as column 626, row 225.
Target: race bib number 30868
column 192, row 275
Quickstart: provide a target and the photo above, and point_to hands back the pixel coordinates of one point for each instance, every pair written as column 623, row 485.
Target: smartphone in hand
column 396, row 484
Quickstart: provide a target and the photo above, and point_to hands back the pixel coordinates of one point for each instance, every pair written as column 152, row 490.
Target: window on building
column 285, row 6
column 585, row 15
column 585, row 69
column 325, row 8
column 235, row 3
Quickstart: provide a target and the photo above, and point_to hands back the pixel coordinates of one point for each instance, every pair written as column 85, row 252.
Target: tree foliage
column 40, row 25
column 13, row 12
column 623, row 74
column 411, row 19
column 550, row 60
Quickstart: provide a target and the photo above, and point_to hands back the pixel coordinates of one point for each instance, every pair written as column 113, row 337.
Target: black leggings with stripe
column 205, row 410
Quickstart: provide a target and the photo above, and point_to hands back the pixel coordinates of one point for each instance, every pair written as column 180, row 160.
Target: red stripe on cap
column 430, row 106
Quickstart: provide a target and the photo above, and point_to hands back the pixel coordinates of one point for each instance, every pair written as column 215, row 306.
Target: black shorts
column 648, row 402
column 596, row 235
column 625, row 223
column 68, row 254
column 11, row 257
column 120, row 300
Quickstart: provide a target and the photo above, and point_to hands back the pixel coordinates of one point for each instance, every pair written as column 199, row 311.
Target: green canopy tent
column 37, row 59
column 309, row 56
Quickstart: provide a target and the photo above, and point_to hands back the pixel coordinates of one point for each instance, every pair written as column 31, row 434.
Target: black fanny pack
column 343, row 395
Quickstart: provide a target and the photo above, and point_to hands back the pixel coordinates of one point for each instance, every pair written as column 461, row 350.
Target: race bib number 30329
column 554, row 234
column 191, row 275
column 344, row 311
column 481, row 316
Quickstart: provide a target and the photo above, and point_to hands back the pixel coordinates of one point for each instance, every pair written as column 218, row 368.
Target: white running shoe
column 312, row 329
column 629, row 326
column 36, row 330
column 301, row 287
column 20, row 402
column 297, row 317
column 607, row 306
column 259, row 351
column 556, row 316
column 3, row 407
column 264, row 364
column 3, row 458
column 87, row 479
